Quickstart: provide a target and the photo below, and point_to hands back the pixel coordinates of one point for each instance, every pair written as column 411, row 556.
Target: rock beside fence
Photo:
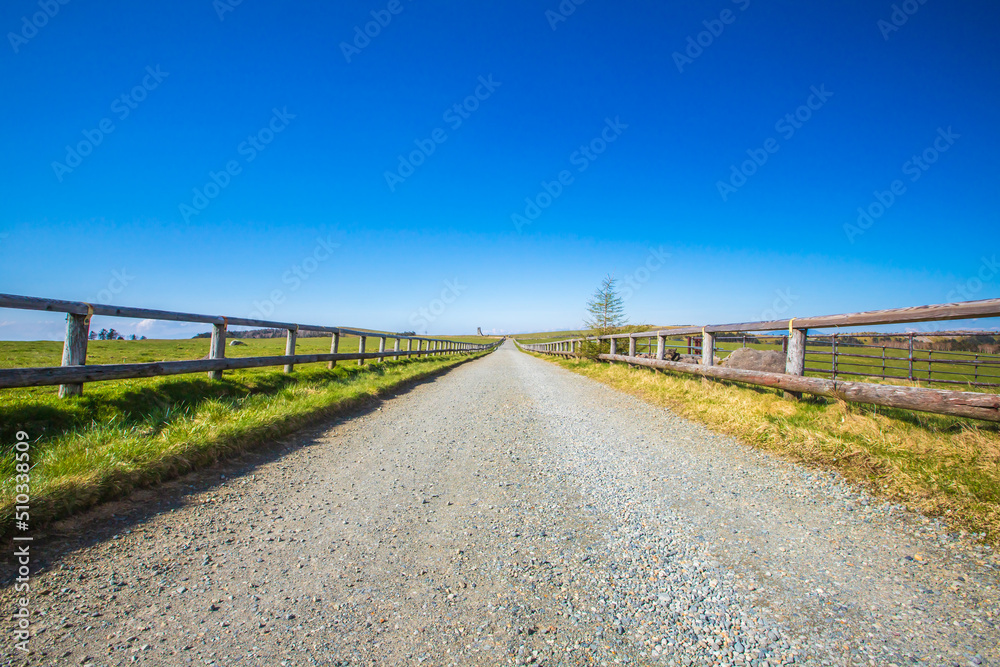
column 749, row 359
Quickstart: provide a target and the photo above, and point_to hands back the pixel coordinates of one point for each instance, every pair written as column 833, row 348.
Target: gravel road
column 508, row 512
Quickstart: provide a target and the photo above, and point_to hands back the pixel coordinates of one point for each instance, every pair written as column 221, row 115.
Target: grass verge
column 939, row 465
column 131, row 433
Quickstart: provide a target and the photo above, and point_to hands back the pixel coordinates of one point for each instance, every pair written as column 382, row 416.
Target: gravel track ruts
column 508, row 512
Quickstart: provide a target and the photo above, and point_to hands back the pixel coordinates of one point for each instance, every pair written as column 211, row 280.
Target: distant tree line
column 263, row 333
column 111, row 334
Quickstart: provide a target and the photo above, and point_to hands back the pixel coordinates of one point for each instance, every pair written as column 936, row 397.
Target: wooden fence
column 73, row 372
column 959, row 403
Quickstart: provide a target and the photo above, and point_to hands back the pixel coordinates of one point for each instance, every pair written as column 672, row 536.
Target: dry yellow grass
column 941, row 466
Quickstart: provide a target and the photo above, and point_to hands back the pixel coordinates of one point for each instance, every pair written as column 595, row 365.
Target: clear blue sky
column 643, row 124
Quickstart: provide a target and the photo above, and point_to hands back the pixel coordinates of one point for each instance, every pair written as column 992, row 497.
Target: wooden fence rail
column 959, row 403
column 73, row 372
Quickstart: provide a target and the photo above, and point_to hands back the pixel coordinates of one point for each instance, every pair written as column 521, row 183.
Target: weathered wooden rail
column 73, row 372
column 950, row 402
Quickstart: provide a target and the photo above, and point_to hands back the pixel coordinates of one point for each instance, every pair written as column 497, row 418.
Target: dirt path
column 508, row 512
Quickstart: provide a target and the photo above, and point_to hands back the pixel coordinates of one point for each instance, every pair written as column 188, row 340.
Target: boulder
column 749, row 359
column 236, row 342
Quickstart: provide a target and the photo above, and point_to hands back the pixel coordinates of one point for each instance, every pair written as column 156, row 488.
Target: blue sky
column 263, row 156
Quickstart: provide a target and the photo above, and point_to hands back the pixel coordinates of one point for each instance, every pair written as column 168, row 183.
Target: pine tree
column 606, row 308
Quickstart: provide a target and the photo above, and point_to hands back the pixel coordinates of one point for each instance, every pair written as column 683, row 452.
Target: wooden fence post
column 217, row 348
column 290, row 347
column 75, row 350
column 334, row 345
column 795, row 360
column 631, row 346
column 708, row 349
column 409, row 345
column 395, row 348
column 612, row 345
column 661, row 347
column 361, row 349
column 381, row 348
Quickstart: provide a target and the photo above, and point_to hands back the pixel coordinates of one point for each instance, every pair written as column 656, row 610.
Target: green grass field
column 18, row 354
column 819, row 363
column 123, row 434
